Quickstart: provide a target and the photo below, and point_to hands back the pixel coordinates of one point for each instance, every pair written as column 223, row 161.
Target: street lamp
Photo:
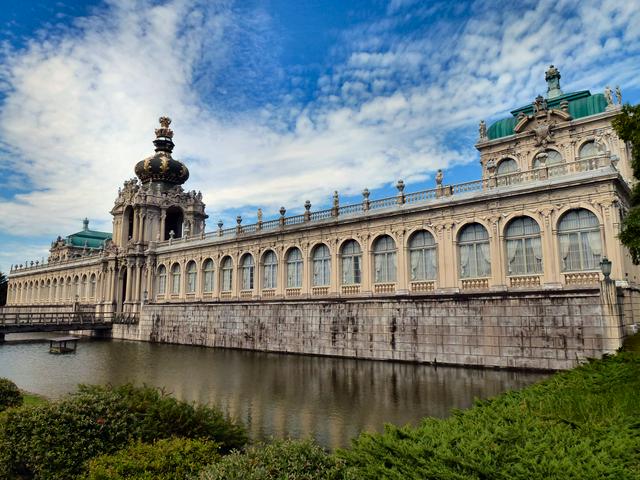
column 605, row 266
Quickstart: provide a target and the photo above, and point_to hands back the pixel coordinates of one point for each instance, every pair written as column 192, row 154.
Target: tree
column 4, row 285
column 627, row 126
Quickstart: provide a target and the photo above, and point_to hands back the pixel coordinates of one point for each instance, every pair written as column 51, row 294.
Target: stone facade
column 534, row 330
column 555, row 185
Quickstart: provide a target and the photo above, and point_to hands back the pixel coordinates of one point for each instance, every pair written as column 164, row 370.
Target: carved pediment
column 542, row 123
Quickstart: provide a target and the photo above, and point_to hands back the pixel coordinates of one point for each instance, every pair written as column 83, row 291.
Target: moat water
column 274, row 395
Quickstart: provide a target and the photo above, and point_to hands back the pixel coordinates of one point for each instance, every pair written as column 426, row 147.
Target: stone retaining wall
column 537, row 330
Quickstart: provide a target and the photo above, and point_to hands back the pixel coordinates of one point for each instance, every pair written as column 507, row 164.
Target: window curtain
column 416, row 265
column 536, row 249
column 175, row 287
column 565, row 246
column 391, row 267
column 226, row 279
column 347, row 270
column 379, row 266
column 317, row 273
column 484, row 260
column 465, row 251
column 512, row 253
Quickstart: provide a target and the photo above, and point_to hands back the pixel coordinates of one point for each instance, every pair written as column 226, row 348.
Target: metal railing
column 79, row 319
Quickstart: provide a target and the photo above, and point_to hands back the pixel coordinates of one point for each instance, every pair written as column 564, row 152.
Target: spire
column 164, row 136
column 85, row 224
column 552, row 76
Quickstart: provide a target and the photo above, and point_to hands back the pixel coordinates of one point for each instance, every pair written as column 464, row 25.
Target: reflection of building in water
column 529, row 235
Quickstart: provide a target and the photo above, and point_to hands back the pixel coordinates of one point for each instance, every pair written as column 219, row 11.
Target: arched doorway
column 173, row 223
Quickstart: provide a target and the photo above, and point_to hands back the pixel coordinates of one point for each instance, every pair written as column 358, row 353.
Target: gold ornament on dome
column 164, row 130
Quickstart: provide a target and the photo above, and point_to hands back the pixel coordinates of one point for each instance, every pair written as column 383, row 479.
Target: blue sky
column 273, row 102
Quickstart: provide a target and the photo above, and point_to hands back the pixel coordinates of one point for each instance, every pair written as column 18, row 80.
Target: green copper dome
column 580, row 104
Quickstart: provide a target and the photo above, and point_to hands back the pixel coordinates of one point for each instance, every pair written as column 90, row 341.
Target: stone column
column 282, row 272
column 401, row 265
column 127, row 297
column 307, row 268
column 336, row 282
column 498, row 278
column 612, row 316
column 163, row 216
column 610, row 229
column 235, row 278
column 550, row 264
column 366, row 282
column 447, row 258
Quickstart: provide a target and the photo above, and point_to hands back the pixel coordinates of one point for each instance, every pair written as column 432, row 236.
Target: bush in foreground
column 280, row 460
column 582, row 424
column 168, row 459
column 10, row 395
column 54, row 440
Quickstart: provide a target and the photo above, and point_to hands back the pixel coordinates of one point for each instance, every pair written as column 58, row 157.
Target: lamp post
column 605, row 266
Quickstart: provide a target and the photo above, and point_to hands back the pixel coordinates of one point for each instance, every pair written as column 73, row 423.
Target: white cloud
column 80, row 104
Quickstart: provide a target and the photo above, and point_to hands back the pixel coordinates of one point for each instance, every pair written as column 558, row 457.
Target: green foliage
column 627, row 126
column 168, row 459
column 582, row 424
column 280, row 460
column 10, row 395
column 55, row 439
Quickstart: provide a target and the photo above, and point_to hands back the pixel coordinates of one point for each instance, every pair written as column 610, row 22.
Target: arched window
column 508, row 165
column 384, row 259
column 92, row 290
column 473, row 248
column 192, row 277
column 85, row 287
column 69, row 289
column 162, row 280
column 294, row 268
column 580, row 243
column 227, row 274
column 524, row 247
column 208, row 273
column 321, row 266
column 553, row 158
column 270, row 263
column 175, row 279
column 76, row 288
column 246, row 272
column 351, row 260
column 590, row 149
column 422, row 256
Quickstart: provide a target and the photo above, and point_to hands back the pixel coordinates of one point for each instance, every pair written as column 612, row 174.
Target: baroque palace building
column 526, row 241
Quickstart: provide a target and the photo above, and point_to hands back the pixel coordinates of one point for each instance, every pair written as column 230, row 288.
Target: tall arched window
column 294, row 268
column 524, row 247
column 92, row 289
column 84, row 290
column 246, row 271
column 208, row 273
column 321, row 266
column 351, row 260
column 508, row 165
column 162, row 280
column 192, row 277
column 76, row 288
column 384, row 259
column 270, row 263
column 422, row 256
column 473, row 248
column 175, row 279
column 553, row 158
column 227, row 274
column 590, row 149
column 580, row 241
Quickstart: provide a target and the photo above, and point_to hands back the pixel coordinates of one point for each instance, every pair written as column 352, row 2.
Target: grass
column 33, row 399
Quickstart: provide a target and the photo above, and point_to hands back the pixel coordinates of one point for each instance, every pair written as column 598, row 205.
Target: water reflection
column 330, row 399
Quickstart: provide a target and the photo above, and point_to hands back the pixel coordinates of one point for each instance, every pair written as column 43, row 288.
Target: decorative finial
column 552, row 76
column 85, row 224
column 482, row 131
column 164, row 135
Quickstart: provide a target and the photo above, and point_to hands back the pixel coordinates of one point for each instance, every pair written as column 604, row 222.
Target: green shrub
column 10, row 395
column 582, row 424
column 280, row 460
column 168, row 459
column 54, row 440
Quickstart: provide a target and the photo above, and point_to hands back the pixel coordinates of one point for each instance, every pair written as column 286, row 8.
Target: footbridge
column 39, row 319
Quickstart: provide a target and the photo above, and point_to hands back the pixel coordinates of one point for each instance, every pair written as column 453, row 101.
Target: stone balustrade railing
column 398, row 201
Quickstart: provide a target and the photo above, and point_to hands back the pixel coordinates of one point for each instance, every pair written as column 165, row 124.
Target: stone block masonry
column 529, row 330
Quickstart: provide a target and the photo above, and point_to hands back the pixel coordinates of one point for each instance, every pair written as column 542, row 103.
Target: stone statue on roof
column 608, row 96
column 618, row 95
column 482, row 131
column 552, row 76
